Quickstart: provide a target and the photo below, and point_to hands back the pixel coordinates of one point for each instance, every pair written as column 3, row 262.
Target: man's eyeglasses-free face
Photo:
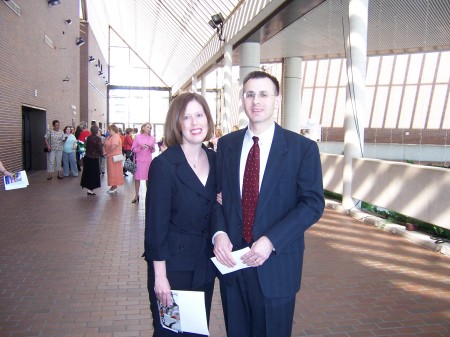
column 249, row 95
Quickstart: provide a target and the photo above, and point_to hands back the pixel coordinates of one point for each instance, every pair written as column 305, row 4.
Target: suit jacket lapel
column 274, row 169
column 232, row 158
column 185, row 173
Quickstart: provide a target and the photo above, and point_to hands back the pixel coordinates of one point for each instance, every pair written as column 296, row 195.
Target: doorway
column 34, row 128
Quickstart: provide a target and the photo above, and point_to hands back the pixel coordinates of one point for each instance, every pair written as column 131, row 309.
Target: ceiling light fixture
column 216, row 23
column 91, row 58
column 52, row 3
column 68, row 21
column 79, row 41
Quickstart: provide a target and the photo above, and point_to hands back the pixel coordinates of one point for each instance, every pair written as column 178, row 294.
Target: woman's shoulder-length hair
column 173, row 125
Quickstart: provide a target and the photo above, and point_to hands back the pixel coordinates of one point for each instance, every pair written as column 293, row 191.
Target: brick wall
column 32, row 72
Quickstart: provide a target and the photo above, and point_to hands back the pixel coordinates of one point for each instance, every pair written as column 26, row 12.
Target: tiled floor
column 70, row 265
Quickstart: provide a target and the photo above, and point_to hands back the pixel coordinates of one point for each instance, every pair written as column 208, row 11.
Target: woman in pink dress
column 113, row 146
column 143, row 147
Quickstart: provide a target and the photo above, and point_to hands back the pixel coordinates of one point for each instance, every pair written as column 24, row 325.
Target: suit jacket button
column 204, row 230
column 181, row 247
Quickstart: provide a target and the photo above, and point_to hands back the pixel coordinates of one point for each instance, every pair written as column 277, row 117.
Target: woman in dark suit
column 180, row 196
column 90, row 178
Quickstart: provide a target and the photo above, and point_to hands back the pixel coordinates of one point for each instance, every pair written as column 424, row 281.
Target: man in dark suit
column 259, row 301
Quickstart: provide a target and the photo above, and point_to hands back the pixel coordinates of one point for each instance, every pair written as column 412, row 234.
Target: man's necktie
column 250, row 190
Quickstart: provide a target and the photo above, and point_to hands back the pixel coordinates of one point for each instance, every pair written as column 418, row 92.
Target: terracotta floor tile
column 70, row 265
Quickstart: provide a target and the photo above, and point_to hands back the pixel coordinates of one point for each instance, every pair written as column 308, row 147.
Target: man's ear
column 278, row 102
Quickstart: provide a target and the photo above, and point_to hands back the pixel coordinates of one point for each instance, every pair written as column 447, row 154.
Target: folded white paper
column 237, row 257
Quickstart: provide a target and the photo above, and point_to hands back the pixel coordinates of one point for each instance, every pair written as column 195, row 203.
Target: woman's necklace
column 194, row 165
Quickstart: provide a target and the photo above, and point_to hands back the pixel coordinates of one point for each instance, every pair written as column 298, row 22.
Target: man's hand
column 259, row 252
column 222, row 250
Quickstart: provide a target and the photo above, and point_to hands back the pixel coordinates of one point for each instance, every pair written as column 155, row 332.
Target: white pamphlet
column 186, row 314
column 237, row 257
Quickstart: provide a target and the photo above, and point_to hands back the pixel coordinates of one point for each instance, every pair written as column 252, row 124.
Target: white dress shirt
column 265, row 142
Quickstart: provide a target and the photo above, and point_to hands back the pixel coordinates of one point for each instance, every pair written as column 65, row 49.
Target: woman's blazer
column 178, row 213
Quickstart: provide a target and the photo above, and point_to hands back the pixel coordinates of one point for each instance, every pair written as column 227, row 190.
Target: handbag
column 49, row 137
column 117, row 158
column 130, row 166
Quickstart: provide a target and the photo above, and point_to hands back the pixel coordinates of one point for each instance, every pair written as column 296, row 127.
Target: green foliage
column 395, row 217
column 332, row 195
column 401, row 219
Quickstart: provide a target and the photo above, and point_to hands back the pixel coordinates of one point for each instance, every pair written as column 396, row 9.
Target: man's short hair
column 262, row 74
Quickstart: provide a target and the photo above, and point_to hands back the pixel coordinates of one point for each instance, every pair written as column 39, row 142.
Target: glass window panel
column 136, row 62
column 328, row 109
column 379, row 107
column 429, row 67
column 322, row 72
column 310, row 73
column 446, row 117
column 211, row 99
column 303, row 70
column 333, row 77
column 401, row 63
column 415, row 64
column 316, row 111
column 340, row 109
column 372, row 70
column 421, row 111
column 443, row 74
column 159, row 105
column 393, row 107
column 407, row 107
column 119, row 56
column 343, row 80
column 386, row 70
column 306, row 104
column 116, row 41
column 370, row 92
column 437, row 106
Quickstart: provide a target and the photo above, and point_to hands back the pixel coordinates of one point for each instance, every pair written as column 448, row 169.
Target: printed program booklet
column 18, row 180
column 186, row 314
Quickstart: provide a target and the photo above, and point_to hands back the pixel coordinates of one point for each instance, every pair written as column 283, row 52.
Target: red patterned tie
column 250, row 190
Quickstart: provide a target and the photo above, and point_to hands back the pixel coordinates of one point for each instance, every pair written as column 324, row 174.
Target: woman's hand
column 162, row 290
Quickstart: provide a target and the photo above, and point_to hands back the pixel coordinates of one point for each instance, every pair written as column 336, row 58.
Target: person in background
column 113, row 147
column 143, row 147
column 78, row 154
column 213, row 141
column 134, row 133
column 90, row 178
column 69, row 150
column 102, row 159
column 162, row 145
column 84, row 132
column 54, row 140
column 4, row 171
column 271, row 184
column 180, row 196
column 127, row 144
column 82, row 140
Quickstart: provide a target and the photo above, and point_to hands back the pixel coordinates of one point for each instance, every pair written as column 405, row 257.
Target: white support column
column 355, row 105
column 203, row 88
column 249, row 61
column 194, row 83
column 227, row 68
column 292, row 80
